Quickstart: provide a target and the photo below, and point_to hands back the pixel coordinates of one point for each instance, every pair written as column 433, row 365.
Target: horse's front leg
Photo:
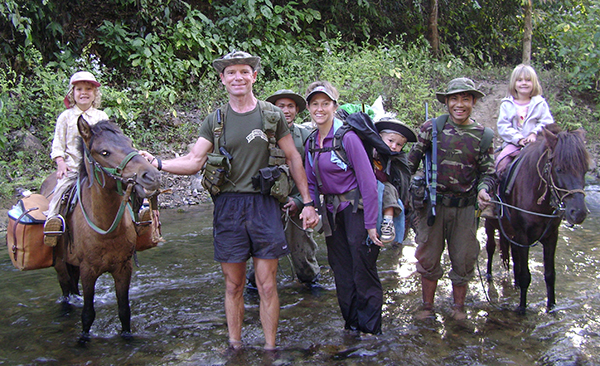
column 88, row 314
column 522, row 274
column 549, row 267
column 122, row 277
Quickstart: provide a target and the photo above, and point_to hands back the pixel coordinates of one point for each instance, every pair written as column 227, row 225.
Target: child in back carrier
column 395, row 134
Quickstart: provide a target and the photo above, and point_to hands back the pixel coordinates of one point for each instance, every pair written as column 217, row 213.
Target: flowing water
column 178, row 314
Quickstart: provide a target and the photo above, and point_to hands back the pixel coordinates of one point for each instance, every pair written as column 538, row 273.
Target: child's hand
column 62, row 168
column 524, row 141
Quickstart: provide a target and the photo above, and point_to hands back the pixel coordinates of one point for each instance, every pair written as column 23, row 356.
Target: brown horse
column 548, row 187
column 100, row 234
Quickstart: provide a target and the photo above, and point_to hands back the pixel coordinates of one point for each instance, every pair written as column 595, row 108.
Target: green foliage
column 577, row 42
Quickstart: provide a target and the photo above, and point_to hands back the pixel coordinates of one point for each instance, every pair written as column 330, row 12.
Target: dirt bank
column 187, row 190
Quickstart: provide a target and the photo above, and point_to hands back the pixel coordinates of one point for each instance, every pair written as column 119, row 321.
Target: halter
column 116, row 174
column 556, row 199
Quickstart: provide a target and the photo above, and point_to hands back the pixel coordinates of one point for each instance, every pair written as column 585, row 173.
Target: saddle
column 507, row 181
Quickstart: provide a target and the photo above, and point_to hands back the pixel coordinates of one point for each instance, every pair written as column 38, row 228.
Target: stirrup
column 53, row 229
column 54, row 226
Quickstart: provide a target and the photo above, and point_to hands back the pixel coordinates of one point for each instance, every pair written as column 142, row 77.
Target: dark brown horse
column 101, row 235
column 548, row 187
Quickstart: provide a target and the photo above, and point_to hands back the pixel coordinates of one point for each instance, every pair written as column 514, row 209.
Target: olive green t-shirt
column 244, row 138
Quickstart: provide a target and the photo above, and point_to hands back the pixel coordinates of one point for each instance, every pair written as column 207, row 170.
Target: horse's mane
column 570, row 154
column 97, row 129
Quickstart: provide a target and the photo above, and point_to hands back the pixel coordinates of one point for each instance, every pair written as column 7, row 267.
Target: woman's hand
column 374, row 238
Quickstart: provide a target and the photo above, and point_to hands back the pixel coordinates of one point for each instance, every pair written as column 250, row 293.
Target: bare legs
column 235, row 279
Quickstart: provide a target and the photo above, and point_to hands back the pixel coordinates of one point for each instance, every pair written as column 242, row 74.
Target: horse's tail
column 505, row 253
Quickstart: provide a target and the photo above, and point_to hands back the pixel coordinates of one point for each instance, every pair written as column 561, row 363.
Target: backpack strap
column 486, row 139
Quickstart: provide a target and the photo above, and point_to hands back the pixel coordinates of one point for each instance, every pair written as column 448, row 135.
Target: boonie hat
column 236, row 58
column 388, row 123
column 459, row 85
column 84, row 76
column 320, row 89
column 286, row 93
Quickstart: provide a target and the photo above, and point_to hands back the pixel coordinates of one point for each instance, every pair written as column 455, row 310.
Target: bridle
column 98, row 171
column 557, row 197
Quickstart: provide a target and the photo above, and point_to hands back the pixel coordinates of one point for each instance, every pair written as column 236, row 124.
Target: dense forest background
column 154, row 58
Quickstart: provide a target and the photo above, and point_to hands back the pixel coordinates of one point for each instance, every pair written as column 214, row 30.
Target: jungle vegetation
column 154, row 58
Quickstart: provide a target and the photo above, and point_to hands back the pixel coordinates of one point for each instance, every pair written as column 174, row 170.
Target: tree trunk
column 432, row 28
column 527, row 31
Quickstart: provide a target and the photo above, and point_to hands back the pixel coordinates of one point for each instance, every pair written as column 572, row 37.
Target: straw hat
column 392, row 124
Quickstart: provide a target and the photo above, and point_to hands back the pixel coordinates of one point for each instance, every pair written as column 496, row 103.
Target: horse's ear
column 580, row 133
column 551, row 138
column 84, row 129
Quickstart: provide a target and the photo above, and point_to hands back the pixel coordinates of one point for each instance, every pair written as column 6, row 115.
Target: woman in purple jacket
column 350, row 229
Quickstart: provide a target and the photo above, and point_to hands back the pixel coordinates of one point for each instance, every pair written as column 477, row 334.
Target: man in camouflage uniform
column 303, row 248
column 465, row 176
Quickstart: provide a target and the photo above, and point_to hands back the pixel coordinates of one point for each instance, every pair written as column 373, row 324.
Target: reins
column 556, row 200
column 116, row 174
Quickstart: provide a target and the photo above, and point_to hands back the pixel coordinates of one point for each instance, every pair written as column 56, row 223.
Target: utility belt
column 456, row 201
column 352, row 196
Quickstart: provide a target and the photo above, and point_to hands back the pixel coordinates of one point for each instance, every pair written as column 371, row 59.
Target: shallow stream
column 178, row 315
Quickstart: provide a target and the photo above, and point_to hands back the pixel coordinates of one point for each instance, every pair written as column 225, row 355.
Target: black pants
column 354, row 265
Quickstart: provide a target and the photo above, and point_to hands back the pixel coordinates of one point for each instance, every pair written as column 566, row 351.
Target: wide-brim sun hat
column 236, row 58
column 387, row 123
column 84, row 76
column 320, row 89
column 286, row 93
column 459, row 85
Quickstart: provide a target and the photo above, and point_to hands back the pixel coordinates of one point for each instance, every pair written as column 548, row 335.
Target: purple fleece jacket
column 338, row 178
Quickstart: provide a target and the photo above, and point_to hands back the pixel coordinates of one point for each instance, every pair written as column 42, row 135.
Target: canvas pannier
column 25, row 234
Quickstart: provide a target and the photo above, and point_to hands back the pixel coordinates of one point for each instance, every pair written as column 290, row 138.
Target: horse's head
column 570, row 162
column 106, row 148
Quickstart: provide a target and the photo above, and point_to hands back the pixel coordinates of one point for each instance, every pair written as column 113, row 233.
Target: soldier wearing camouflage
column 465, row 175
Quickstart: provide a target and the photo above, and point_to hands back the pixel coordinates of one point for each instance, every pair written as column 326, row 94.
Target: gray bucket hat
column 392, row 124
column 236, row 58
column 459, row 85
column 286, row 93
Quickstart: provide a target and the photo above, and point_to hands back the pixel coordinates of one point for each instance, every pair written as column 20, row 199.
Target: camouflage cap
column 236, row 58
column 459, row 85
column 286, row 93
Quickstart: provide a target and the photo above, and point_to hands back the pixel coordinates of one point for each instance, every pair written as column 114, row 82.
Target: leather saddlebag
column 25, row 234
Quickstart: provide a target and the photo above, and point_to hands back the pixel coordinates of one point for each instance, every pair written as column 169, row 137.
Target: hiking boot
column 388, row 233
column 489, row 212
column 54, row 227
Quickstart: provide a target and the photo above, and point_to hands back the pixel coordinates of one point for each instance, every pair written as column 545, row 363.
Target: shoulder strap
column 440, row 122
column 338, row 147
column 486, row 139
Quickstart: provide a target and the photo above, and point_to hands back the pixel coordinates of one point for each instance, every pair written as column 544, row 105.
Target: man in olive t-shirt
column 243, row 218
